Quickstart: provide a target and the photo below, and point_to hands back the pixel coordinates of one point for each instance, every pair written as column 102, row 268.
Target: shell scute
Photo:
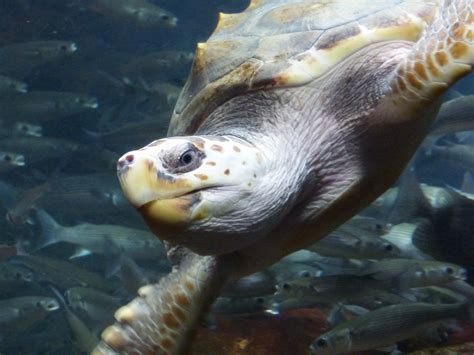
column 280, row 43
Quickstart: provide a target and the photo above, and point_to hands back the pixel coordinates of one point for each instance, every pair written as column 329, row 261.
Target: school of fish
column 80, row 90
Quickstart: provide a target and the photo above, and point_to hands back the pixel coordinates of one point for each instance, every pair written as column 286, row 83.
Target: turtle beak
column 160, row 198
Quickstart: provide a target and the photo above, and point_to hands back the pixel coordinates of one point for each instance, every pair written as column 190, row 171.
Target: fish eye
column 286, row 286
column 321, row 343
column 7, row 158
column 259, row 300
column 449, row 270
column 187, row 157
column 388, row 247
column 165, row 17
column 63, row 47
column 305, row 273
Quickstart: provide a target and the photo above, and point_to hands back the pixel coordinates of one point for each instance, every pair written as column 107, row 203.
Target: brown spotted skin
column 160, row 321
column 440, row 58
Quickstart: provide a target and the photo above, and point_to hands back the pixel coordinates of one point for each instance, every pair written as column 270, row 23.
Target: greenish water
column 122, row 77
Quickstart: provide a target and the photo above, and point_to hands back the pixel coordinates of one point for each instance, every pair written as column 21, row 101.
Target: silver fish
column 41, row 106
column 330, row 289
column 405, row 235
column 59, row 273
column 255, row 285
column 140, row 12
column 21, row 313
column 27, row 129
column 458, row 155
column 37, row 149
column 384, row 326
column 9, row 85
column 454, row 116
column 355, row 244
column 10, row 160
column 18, row 60
column 85, row 195
column 407, row 273
column 136, row 243
column 98, row 306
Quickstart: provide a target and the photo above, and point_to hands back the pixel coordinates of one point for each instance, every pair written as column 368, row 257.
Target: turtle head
column 182, row 183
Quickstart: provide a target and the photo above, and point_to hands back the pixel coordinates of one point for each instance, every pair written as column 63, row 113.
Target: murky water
column 84, row 81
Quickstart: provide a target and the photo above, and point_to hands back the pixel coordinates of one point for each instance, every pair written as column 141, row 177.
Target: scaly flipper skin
column 443, row 55
column 162, row 318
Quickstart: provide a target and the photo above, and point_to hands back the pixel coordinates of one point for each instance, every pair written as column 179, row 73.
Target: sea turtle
column 296, row 115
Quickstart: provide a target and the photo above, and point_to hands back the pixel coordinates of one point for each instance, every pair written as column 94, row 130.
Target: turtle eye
column 185, row 160
column 187, row 157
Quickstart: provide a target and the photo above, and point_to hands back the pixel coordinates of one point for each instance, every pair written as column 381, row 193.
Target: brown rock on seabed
column 262, row 334
column 291, row 333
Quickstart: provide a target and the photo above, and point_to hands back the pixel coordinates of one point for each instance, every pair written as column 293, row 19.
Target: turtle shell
column 283, row 43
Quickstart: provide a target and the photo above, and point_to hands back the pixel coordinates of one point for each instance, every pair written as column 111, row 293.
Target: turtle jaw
column 159, row 197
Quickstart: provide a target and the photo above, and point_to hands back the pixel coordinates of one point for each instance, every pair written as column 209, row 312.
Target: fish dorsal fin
column 410, row 203
column 467, row 183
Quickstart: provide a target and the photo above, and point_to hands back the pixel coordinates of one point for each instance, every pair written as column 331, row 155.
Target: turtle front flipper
column 444, row 54
column 162, row 319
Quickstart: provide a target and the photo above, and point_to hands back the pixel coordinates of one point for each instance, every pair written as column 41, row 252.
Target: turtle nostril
column 124, row 162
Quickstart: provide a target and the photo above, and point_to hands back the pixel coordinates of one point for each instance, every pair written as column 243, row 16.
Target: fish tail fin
column 49, row 230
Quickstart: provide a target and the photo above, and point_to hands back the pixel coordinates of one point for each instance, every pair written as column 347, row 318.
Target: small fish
column 37, row 149
column 131, row 134
column 10, row 86
column 458, row 155
column 406, row 235
column 27, row 129
column 98, row 306
column 330, row 289
column 136, row 243
column 160, row 65
column 454, row 116
column 139, row 12
column 18, row 60
column 83, row 338
column 355, row 244
column 9, row 160
column 81, row 195
column 385, row 326
column 59, row 273
column 41, row 106
column 410, row 202
column 320, row 265
column 408, row 273
column 284, row 270
column 255, row 285
column 165, row 93
column 435, row 294
column 21, row 313
column 228, row 305
column 10, row 273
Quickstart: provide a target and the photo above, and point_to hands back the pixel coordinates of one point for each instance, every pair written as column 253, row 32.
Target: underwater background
column 84, row 81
